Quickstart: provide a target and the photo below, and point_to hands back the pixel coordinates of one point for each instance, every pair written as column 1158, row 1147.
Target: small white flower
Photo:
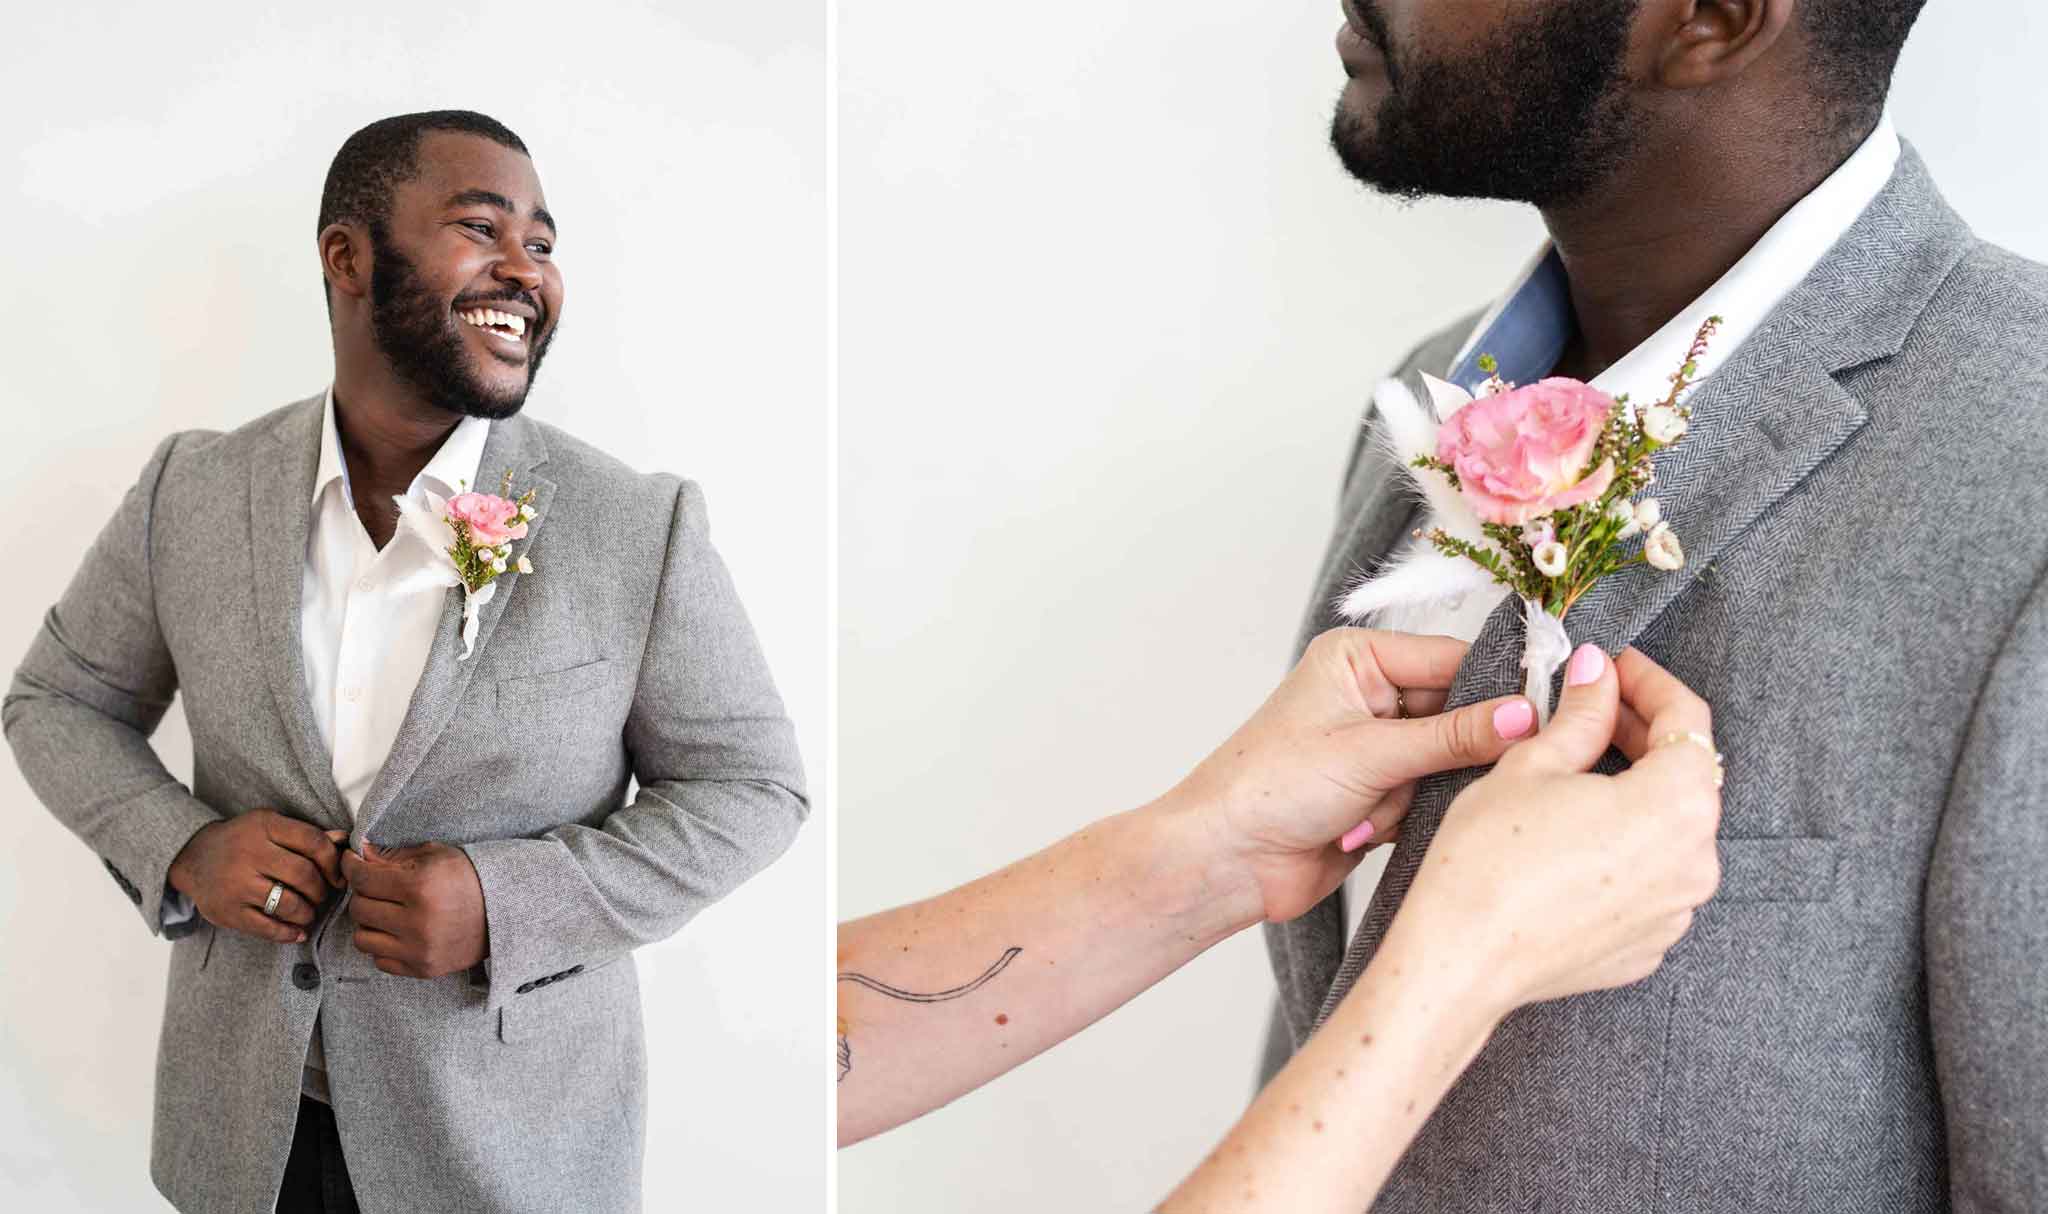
column 1623, row 513
column 526, row 512
column 498, row 566
column 1661, row 548
column 1648, row 513
column 524, row 566
column 1663, row 424
column 1538, row 533
column 504, row 552
column 1550, row 558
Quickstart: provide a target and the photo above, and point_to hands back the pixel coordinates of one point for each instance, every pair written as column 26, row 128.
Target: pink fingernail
column 1586, row 665
column 1357, row 837
column 1513, row 719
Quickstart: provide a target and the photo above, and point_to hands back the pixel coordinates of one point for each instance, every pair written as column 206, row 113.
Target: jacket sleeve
column 82, row 705
column 721, row 791
column 1987, row 937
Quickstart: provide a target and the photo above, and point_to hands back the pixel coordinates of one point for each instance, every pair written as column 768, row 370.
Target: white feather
column 1421, row 574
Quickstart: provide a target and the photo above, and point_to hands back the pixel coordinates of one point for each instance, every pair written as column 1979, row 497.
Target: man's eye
column 478, row 225
column 541, row 247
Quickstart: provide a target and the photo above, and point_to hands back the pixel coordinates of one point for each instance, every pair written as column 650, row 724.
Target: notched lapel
column 514, row 442
column 277, row 545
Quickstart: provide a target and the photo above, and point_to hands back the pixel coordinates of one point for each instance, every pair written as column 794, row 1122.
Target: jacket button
column 306, row 976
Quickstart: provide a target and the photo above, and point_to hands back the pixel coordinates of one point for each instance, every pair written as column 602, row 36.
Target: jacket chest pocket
column 524, row 693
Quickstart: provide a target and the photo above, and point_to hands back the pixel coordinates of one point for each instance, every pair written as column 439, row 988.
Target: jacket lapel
column 277, row 546
column 1773, row 413
column 514, row 443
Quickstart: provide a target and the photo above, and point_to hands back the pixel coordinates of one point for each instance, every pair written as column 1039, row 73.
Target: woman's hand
column 1328, row 752
column 1560, row 881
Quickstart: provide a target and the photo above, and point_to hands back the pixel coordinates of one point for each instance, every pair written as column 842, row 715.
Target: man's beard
column 416, row 330
column 1539, row 117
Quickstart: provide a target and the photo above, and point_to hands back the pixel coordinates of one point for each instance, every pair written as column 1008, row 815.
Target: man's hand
column 419, row 910
column 227, row 870
column 1328, row 751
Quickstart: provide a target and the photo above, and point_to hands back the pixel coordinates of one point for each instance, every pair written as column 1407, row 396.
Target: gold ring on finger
column 1704, row 743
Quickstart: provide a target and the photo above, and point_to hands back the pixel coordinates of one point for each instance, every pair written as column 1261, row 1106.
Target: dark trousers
column 316, row 1176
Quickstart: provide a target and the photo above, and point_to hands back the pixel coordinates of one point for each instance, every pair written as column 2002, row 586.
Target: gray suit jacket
column 521, row 1085
column 1859, row 1019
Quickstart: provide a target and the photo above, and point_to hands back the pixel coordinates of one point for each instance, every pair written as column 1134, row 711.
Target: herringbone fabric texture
column 1855, row 1022
column 625, row 656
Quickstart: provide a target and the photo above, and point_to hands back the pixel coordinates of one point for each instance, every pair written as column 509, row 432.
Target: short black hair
column 1856, row 46
column 374, row 160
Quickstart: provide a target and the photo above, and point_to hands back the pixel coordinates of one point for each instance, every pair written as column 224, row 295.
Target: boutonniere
column 1533, row 488
column 475, row 531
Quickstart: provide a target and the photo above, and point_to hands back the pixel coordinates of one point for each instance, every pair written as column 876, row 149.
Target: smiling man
column 1855, row 1021
column 405, row 885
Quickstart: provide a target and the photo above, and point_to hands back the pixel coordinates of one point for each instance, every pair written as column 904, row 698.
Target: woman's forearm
column 939, row 997
column 1326, row 1132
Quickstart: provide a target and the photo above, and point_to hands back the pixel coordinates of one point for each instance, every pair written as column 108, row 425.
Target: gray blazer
column 520, row 1086
column 1859, row 1020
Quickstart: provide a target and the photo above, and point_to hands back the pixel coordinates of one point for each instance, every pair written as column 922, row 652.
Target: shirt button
column 353, row 694
column 365, row 585
column 306, row 976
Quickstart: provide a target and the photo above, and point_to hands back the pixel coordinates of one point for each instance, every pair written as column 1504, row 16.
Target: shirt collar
column 452, row 470
column 1527, row 328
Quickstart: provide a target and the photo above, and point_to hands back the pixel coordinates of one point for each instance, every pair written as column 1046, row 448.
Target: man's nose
column 517, row 267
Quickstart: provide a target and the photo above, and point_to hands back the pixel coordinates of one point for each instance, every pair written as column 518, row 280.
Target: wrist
column 1198, row 877
column 179, row 875
column 1454, row 959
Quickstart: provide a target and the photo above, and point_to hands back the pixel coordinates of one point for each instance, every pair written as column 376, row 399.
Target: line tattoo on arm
column 895, row 992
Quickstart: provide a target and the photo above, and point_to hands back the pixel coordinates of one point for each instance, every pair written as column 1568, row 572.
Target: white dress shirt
column 1527, row 329
column 364, row 637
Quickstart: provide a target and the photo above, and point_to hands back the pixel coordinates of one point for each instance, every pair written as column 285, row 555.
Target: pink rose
column 491, row 519
column 1518, row 455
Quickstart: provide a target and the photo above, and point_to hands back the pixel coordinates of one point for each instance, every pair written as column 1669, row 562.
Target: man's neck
column 1647, row 243
column 387, row 436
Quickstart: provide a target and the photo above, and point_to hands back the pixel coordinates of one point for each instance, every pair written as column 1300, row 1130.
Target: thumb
column 1583, row 727
column 1472, row 736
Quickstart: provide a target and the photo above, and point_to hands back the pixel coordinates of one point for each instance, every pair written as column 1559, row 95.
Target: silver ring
column 1400, row 704
column 276, row 896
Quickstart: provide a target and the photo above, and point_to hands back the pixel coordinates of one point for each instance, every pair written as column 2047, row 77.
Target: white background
column 1109, row 311
column 163, row 169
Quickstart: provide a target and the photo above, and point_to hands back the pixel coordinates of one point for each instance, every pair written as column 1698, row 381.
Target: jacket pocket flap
column 529, row 689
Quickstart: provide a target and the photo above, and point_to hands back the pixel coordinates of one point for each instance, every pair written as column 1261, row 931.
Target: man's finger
column 376, row 912
column 398, row 968
column 251, row 921
column 308, row 840
column 377, row 879
column 1471, row 736
column 296, row 872
column 375, row 943
column 291, row 906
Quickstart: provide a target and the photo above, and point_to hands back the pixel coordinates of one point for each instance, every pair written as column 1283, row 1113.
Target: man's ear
column 1713, row 40
column 345, row 258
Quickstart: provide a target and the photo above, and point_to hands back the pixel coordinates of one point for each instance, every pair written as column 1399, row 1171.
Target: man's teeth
column 484, row 318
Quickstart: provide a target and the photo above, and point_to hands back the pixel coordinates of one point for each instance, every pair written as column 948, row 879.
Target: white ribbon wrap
column 1543, row 651
column 428, row 524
